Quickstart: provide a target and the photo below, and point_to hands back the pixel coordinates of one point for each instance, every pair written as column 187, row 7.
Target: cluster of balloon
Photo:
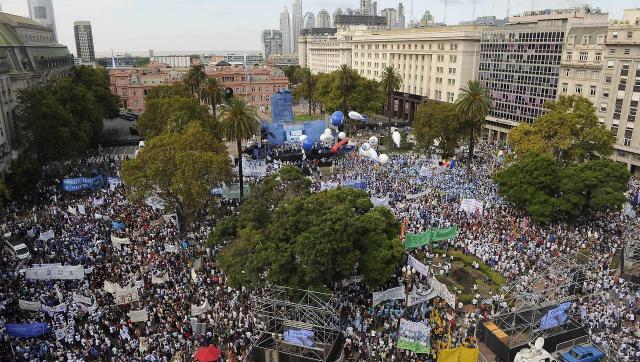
column 356, row 116
column 307, row 144
column 396, row 138
column 373, row 141
column 342, row 136
column 327, row 138
column 337, row 118
column 366, row 151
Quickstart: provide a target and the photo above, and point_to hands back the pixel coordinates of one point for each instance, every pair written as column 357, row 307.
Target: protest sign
column 418, row 266
column 27, row 305
column 389, row 294
column 444, row 293
column 197, row 310
column 138, row 315
column 26, row 330
column 47, row 235
column 414, row 336
column 430, row 236
column 126, row 295
column 55, row 272
column 79, row 298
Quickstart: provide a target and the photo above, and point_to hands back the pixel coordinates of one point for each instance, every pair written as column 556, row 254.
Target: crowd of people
column 122, row 246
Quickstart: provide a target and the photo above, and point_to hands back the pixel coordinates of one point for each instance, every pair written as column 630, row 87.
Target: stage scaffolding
column 280, row 308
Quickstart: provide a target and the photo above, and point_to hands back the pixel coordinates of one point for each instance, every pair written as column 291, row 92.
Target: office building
column 84, row 41
column 29, row 55
column 132, row 84
column 277, row 60
column 323, row 20
column 271, row 42
column 366, row 7
column 41, row 11
column 401, row 23
column 391, row 16
column 255, row 84
column 370, row 22
column 122, row 61
column 285, row 30
column 151, row 53
column 173, row 61
column 309, row 21
column 296, row 25
column 520, row 64
column 322, row 50
column 374, row 9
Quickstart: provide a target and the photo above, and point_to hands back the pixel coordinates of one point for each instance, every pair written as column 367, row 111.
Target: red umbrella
column 208, row 354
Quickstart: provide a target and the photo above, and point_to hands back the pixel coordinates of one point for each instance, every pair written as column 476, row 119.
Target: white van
column 17, row 248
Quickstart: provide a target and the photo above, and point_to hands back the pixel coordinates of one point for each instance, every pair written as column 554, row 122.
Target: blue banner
column 82, row 183
column 117, row 225
column 555, row 317
column 27, row 330
column 355, row 184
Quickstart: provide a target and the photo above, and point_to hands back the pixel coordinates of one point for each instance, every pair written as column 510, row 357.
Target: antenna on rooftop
column 445, row 12
column 508, row 6
column 473, row 18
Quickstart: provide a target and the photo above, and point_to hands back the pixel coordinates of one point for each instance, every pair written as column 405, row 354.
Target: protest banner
column 98, row 201
column 389, row 294
column 27, row 305
column 418, row 266
column 197, row 265
column 110, row 287
column 414, row 337
column 118, row 242
column 82, row 183
column 171, row 248
column 159, row 280
column 81, row 209
column 417, row 298
column 26, row 330
column 471, row 206
column 55, row 272
column 444, row 293
column 138, row 315
column 72, row 210
column 353, row 280
column 60, row 308
column 126, row 295
column 459, row 354
column 47, row 235
column 117, row 225
column 198, row 310
column 416, row 196
column 430, row 236
column 377, row 201
column 79, row 298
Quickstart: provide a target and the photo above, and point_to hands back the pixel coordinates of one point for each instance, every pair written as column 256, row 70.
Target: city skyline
column 187, row 26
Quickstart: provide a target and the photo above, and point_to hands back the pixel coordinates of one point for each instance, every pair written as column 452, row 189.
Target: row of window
column 441, row 46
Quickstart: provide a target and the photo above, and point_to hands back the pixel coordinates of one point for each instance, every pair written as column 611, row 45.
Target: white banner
column 159, row 280
column 328, row 185
column 110, row 287
column 117, row 242
column 79, row 298
column 55, row 272
column 47, row 235
column 201, row 309
column 430, row 172
column 471, row 206
column 417, row 298
column 27, row 305
column 197, row 265
column 418, row 195
column 170, row 248
column 138, row 315
column 81, row 209
column 126, row 295
column 376, row 201
column 444, row 293
column 413, row 333
column 256, row 168
column 171, row 218
column 353, row 280
column 389, row 294
column 72, row 210
column 98, row 202
column 418, row 266
column 97, row 216
column 60, row 308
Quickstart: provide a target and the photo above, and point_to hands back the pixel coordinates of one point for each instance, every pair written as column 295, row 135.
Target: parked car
column 16, row 248
column 584, row 353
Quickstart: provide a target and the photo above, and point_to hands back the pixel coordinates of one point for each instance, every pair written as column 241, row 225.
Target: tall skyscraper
column 271, row 42
column 42, row 12
column 365, row 7
column 296, row 24
column 84, row 41
column 374, row 9
column 391, row 15
column 309, row 21
column 401, row 19
column 285, row 29
column 323, row 20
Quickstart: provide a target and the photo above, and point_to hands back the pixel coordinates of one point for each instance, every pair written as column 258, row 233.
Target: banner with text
column 414, row 337
column 55, row 272
column 430, row 236
column 82, row 183
column 389, row 294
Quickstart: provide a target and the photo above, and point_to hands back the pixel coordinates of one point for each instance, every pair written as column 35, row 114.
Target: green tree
column 391, row 82
column 239, row 123
column 212, row 93
column 194, row 79
column 81, row 105
column 292, row 72
column 178, row 168
column 306, row 87
column 346, row 79
column 474, row 104
column 569, row 130
column 97, row 82
column 178, row 89
column 315, row 240
column 437, row 123
column 174, row 111
column 24, row 176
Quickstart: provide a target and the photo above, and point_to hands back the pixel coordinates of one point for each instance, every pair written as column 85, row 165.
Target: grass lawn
column 306, row 117
column 464, row 275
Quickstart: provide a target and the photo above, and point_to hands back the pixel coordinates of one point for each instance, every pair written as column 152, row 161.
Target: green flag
column 430, row 236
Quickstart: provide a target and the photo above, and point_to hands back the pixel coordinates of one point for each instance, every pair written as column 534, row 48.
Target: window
column 605, row 93
column 610, row 64
column 40, row 12
column 628, row 134
column 614, row 35
column 607, row 79
column 598, row 56
column 603, row 107
column 612, row 51
column 629, row 34
column 568, row 56
column 567, row 72
column 580, row 74
column 578, row 88
column 627, row 51
column 593, row 90
column 584, row 56
column 564, row 87
column 585, row 39
column 595, row 75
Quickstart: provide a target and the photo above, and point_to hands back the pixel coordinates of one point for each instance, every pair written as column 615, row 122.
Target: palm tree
column 239, row 123
column 212, row 93
column 346, row 78
column 308, row 81
column 391, row 81
column 194, row 78
column 473, row 105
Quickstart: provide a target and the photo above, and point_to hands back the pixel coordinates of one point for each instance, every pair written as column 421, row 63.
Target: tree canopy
column 308, row 240
column 569, row 131
column 180, row 169
column 347, row 90
column 174, row 113
column 547, row 191
column 438, row 123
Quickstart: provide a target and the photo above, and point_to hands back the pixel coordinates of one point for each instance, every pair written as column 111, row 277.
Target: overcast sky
column 206, row 25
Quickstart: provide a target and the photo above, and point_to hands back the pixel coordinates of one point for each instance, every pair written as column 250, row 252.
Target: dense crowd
column 174, row 271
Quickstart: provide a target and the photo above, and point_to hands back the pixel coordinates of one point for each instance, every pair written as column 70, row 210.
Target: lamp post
column 407, row 274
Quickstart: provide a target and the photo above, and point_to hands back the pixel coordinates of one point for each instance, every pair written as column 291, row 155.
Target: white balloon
column 362, row 152
column 323, row 137
column 365, row 147
column 302, row 138
column 373, row 141
column 383, row 158
column 329, row 138
column 355, row 116
column 327, row 131
column 342, row 135
column 396, row 138
column 372, row 154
